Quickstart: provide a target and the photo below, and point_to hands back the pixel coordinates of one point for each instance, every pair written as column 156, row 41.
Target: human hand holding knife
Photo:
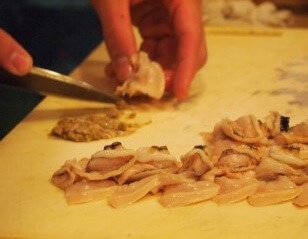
column 16, row 69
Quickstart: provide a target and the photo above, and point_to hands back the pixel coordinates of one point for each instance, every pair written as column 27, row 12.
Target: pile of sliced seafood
column 263, row 162
column 244, row 12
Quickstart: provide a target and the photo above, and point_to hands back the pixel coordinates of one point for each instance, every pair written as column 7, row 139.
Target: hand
column 13, row 57
column 172, row 35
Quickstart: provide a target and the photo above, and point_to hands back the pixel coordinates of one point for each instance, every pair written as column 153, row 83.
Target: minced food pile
column 92, row 127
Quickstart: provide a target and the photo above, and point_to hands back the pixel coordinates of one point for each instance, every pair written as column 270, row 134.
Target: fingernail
column 123, row 68
column 21, row 63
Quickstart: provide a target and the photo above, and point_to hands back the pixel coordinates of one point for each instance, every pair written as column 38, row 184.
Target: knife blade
column 49, row 82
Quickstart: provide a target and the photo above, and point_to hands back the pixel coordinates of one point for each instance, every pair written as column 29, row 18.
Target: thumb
column 117, row 26
column 13, row 57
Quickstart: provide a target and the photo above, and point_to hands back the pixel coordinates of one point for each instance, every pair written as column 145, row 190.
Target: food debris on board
column 262, row 162
column 109, row 123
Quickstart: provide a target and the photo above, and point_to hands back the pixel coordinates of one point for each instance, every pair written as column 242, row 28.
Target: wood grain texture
column 245, row 74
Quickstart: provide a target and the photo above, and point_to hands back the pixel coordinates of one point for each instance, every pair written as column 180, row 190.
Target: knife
column 48, row 82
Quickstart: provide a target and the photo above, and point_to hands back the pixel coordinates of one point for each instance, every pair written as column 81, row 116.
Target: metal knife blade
column 48, row 82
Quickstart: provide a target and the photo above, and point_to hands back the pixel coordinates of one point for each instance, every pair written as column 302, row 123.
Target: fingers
column 191, row 52
column 151, row 17
column 166, row 52
column 182, row 18
column 149, row 45
column 117, row 28
column 13, row 57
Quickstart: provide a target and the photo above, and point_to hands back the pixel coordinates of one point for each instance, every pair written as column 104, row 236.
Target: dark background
column 59, row 34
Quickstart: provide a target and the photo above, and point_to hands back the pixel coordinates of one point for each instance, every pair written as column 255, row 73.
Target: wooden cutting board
column 248, row 72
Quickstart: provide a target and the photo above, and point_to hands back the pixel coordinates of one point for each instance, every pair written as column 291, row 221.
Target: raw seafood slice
column 270, row 169
column 159, row 157
column 155, row 153
column 235, row 190
column 219, row 146
column 113, row 150
column 86, row 191
column 212, row 174
column 276, row 123
column 301, row 178
column 64, row 177
column 69, row 173
column 130, row 174
column 147, row 173
column 216, row 135
column 276, row 191
column 147, row 78
column 150, row 161
column 196, row 161
column 171, row 178
column 302, row 199
column 188, row 193
column 302, row 150
column 110, row 162
column 296, row 134
column 286, row 156
column 128, row 194
column 239, row 159
column 246, row 129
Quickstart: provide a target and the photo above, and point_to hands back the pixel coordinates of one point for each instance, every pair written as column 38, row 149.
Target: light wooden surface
column 245, row 74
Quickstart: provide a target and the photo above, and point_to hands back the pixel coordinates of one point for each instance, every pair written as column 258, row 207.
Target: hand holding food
column 172, row 35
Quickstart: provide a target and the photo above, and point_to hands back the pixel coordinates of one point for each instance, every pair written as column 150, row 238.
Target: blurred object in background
column 244, row 12
column 299, row 9
column 287, row 3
